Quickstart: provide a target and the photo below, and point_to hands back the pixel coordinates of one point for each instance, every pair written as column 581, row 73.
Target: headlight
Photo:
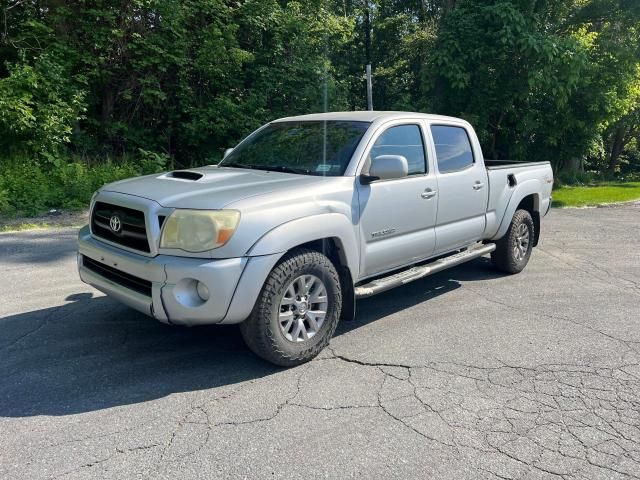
column 198, row 230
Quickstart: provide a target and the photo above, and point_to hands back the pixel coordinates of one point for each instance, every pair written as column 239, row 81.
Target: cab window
column 405, row 140
column 453, row 148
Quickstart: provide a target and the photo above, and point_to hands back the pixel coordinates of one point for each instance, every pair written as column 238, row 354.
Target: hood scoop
column 185, row 175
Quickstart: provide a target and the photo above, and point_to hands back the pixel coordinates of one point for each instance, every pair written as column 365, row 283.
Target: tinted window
column 405, row 140
column 453, row 149
column 310, row 147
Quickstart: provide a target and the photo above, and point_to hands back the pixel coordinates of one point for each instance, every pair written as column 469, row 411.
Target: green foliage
column 539, row 80
column 556, row 81
column 574, row 178
column 151, row 162
column 497, row 65
column 4, row 200
column 598, row 194
column 38, row 107
column 27, row 188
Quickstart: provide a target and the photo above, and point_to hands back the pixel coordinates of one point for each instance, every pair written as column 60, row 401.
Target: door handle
column 478, row 185
column 428, row 193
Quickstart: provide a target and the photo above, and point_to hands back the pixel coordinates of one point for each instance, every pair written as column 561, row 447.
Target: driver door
column 398, row 216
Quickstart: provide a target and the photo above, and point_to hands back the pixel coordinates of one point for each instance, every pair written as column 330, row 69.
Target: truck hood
column 209, row 187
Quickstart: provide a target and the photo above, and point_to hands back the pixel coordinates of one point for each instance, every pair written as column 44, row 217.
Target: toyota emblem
column 115, row 223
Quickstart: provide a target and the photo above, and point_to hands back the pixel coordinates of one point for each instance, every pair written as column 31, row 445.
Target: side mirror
column 387, row 167
column 227, row 152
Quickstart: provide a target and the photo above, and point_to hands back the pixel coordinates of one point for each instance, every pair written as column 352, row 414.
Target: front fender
column 524, row 189
column 288, row 235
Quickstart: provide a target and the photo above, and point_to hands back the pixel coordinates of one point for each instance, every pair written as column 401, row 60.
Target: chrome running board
column 416, row 273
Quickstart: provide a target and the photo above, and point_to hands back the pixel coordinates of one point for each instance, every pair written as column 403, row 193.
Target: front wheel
column 514, row 249
column 297, row 310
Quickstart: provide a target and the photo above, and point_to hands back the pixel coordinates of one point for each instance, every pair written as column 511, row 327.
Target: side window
column 453, row 149
column 405, row 140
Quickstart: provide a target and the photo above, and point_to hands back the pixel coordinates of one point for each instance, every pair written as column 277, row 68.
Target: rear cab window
column 453, row 148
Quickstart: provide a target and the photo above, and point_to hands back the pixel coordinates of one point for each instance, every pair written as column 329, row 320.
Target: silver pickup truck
column 303, row 217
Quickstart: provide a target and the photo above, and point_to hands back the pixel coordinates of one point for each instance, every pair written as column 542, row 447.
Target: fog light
column 189, row 292
column 203, row 291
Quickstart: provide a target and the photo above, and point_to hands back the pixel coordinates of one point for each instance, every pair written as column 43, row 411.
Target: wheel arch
column 526, row 197
column 331, row 234
column 531, row 203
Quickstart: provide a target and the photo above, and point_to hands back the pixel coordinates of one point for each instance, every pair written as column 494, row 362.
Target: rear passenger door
column 462, row 188
column 397, row 216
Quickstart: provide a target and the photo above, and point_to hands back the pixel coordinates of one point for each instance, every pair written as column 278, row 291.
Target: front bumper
column 233, row 283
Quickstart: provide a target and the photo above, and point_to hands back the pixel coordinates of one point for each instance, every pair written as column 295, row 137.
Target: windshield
column 311, row 148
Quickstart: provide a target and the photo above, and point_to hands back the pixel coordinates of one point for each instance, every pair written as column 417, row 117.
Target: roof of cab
column 364, row 116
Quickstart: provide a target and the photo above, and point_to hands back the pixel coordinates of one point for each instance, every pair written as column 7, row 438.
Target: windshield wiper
column 268, row 168
column 239, row 165
column 282, row 168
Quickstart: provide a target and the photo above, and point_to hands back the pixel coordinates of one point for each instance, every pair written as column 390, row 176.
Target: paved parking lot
column 467, row 374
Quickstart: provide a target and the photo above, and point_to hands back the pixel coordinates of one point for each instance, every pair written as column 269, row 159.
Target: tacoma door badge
column 382, row 233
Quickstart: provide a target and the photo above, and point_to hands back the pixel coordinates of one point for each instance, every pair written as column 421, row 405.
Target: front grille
column 116, row 276
column 132, row 232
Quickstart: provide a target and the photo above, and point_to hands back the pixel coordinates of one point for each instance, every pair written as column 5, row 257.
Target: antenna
column 369, row 89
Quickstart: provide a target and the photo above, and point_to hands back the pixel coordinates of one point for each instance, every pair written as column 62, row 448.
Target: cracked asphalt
column 466, row 374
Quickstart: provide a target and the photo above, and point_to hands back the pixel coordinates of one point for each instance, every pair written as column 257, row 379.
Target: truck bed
column 501, row 164
column 504, row 176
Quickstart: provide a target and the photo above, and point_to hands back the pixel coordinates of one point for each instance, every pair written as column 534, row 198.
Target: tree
column 539, row 79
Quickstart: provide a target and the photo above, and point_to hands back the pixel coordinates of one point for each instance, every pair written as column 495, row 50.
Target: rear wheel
column 513, row 251
column 297, row 311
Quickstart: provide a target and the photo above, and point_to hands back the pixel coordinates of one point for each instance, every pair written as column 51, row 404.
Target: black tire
column 510, row 256
column 262, row 332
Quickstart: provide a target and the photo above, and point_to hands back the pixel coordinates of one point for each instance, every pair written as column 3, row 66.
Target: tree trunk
column 573, row 165
column 108, row 101
column 617, row 146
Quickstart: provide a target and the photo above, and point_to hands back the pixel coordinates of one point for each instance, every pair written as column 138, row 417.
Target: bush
column 27, row 188
column 629, row 177
column 4, row 200
column 39, row 104
column 578, row 178
column 152, row 162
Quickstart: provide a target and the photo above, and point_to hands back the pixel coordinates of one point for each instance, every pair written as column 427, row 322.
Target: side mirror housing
column 227, row 152
column 387, row 167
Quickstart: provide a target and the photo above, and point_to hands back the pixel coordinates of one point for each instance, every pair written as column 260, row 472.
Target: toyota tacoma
column 305, row 216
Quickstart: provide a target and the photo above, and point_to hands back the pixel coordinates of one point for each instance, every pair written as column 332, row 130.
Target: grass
column 21, row 227
column 593, row 195
column 26, row 226
column 64, row 219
